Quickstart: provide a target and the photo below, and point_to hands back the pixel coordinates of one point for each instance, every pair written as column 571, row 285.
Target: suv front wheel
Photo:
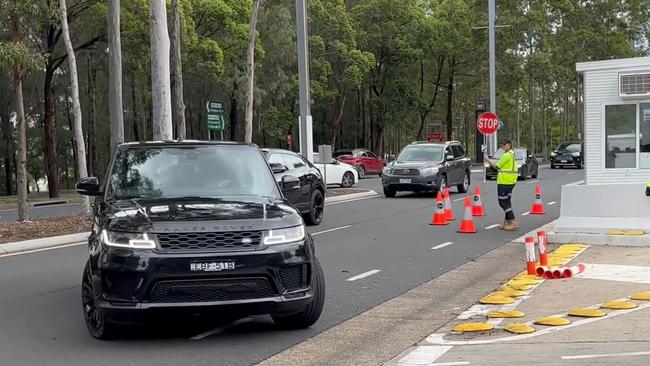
column 311, row 313
column 316, row 208
column 389, row 192
column 96, row 320
column 464, row 187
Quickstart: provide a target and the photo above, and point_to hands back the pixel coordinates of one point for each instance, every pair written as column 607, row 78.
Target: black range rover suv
column 199, row 227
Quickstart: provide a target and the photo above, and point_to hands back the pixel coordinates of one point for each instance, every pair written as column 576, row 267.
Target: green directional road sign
column 215, row 113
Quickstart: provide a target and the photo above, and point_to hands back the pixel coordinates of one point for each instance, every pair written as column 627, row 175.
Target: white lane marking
column 455, row 363
column 552, row 203
column 491, row 227
column 443, row 245
column 477, row 170
column 42, row 249
column 533, row 182
column 423, row 355
column 525, row 213
column 220, row 329
column 619, row 273
column 603, row 355
column 350, row 200
column 572, row 173
column 459, row 199
column 438, row 338
column 330, row 230
column 363, row 275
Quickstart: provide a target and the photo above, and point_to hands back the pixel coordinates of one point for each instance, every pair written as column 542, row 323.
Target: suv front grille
column 211, row 290
column 202, row 242
column 405, row 171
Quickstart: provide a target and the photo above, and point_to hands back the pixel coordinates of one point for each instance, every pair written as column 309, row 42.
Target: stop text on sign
column 487, row 123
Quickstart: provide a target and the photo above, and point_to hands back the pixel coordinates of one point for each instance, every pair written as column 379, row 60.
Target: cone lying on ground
column 538, row 206
column 439, row 217
column 449, row 211
column 467, row 226
column 572, row 271
column 477, row 206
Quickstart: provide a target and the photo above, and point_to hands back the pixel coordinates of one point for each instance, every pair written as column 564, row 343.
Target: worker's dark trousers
column 504, row 193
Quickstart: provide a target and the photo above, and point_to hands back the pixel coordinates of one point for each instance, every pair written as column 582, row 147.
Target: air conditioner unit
column 634, row 85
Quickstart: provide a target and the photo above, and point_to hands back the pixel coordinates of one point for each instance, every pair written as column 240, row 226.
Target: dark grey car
column 427, row 167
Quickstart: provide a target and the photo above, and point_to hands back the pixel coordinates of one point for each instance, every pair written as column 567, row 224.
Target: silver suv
column 428, row 167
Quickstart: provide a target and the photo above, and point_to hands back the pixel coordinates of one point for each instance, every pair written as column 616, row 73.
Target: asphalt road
column 371, row 251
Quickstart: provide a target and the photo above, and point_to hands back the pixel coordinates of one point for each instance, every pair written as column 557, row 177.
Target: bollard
column 541, row 242
column 530, row 256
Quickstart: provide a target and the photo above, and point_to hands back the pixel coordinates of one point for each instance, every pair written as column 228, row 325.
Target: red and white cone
column 530, row 256
column 541, row 243
column 467, row 226
column 477, row 207
column 439, row 217
column 572, row 271
column 540, row 271
column 538, row 206
column 449, row 211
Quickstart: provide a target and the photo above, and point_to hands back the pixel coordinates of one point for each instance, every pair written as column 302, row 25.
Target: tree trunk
column 250, row 73
column 134, row 109
column 233, row 114
column 337, row 116
column 76, row 104
column 92, row 123
column 450, row 100
column 9, row 148
column 116, row 111
column 518, row 115
column 21, row 156
column 51, row 163
column 177, row 65
column 544, row 129
column 531, row 111
column 160, row 77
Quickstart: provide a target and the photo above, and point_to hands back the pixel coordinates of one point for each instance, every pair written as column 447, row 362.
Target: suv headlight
column 430, row 171
column 576, row 154
column 119, row 239
column 284, row 236
column 553, row 154
column 387, row 170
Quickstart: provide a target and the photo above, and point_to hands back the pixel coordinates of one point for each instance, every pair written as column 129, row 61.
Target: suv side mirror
column 277, row 168
column 290, row 183
column 88, row 187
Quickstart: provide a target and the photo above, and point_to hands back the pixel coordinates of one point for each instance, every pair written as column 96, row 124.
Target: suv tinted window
column 458, row 151
column 449, row 151
column 421, row 153
column 277, row 159
column 370, row 155
column 293, row 162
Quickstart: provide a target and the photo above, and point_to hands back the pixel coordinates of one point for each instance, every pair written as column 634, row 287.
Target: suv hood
column 199, row 216
column 415, row 164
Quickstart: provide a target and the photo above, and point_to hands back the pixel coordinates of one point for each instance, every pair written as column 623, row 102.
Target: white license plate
column 563, row 161
column 405, row 180
column 212, row 266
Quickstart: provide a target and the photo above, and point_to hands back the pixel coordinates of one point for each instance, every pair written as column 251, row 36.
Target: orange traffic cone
column 439, row 217
column 467, row 225
column 449, row 211
column 477, row 206
column 538, row 206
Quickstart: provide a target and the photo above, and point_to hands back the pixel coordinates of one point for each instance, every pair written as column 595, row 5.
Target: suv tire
column 464, row 186
column 389, row 192
column 96, row 320
column 312, row 312
column 316, row 206
column 361, row 170
column 348, row 180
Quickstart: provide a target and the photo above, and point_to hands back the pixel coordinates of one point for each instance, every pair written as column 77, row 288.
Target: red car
column 365, row 161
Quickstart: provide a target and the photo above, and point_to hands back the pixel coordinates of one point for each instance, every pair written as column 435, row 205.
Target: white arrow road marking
column 552, row 203
column 443, row 245
column 459, row 199
column 363, row 275
column 525, row 213
column 423, row 355
column 491, row 227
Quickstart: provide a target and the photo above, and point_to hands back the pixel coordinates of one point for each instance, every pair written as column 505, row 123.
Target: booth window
column 644, row 137
column 620, row 136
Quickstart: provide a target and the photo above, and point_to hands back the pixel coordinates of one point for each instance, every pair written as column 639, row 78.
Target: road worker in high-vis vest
column 647, row 189
column 506, row 180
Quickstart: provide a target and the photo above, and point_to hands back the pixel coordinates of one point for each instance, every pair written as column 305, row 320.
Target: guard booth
column 616, row 150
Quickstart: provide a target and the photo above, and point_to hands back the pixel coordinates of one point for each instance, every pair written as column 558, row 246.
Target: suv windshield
column 189, row 171
column 569, row 147
column 421, row 153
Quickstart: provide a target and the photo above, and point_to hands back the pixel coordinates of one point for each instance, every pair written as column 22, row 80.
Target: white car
column 337, row 173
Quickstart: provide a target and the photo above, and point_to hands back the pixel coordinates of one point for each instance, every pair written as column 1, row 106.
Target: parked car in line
column 567, row 154
column 337, row 173
column 428, row 167
column 364, row 160
column 527, row 164
column 309, row 196
column 196, row 227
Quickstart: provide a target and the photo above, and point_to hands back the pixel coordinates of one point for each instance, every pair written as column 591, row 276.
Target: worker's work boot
column 510, row 225
column 502, row 226
column 516, row 224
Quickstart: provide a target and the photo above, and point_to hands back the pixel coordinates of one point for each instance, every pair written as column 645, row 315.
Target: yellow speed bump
column 473, row 327
column 524, row 277
column 618, row 305
column 509, row 293
column 553, row 321
column 523, row 282
column 616, row 232
column 518, row 288
column 496, row 300
column 641, row 296
column 634, row 233
column 519, row 328
column 506, row 314
column 573, row 246
column 587, row 313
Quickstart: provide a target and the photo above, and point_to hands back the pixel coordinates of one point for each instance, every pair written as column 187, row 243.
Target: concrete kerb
column 42, row 243
column 350, row 197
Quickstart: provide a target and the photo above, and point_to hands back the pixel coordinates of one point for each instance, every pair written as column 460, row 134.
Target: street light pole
column 492, row 139
column 305, row 121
